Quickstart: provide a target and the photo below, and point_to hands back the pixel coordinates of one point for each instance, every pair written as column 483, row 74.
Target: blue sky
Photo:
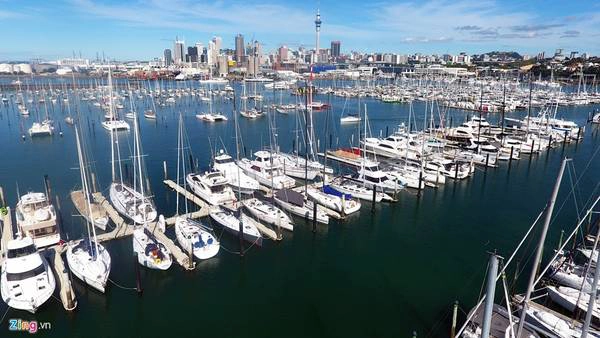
column 141, row 29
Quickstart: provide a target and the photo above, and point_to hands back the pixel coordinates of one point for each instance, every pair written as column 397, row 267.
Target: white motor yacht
column 235, row 175
column 36, row 218
column 266, row 171
column 26, row 281
column 213, row 187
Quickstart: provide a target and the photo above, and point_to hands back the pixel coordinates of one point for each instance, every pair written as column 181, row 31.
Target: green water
column 386, row 272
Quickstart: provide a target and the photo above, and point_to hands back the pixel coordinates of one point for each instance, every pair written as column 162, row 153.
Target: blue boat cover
column 331, row 191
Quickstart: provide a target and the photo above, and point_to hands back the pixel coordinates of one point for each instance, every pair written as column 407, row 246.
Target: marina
column 430, row 186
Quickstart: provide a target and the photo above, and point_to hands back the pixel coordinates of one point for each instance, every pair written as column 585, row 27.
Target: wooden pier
column 7, row 233
column 67, row 295
column 123, row 229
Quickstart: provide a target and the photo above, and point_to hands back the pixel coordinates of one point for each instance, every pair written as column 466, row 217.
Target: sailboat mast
column 86, row 189
column 81, row 173
column 540, row 248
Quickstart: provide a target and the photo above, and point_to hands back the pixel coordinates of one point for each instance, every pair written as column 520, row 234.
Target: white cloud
column 383, row 24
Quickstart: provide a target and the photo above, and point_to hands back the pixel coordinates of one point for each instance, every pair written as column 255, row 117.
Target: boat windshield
column 13, row 277
column 20, row 252
column 224, row 160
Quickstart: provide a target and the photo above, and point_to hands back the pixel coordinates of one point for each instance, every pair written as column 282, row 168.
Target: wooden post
column 512, row 149
column 241, row 235
column 420, row 182
column 165, row 169
column 454, row 316
column 314, row 229
column 565, row 139
column 532, row 147
column 455, row 170
column 487, row 160
column 138, row 281
column 549, row 144
column 373, row 200
column 578, row 133
column 48, row 188
column 2, row 200
column 343, row 205
column 94, row 186
column 190, row 255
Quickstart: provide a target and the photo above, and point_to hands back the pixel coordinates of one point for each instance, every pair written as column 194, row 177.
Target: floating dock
column 67, row 295
column 123, row 229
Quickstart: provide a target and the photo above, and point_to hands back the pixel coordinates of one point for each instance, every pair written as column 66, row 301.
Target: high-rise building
column 335, row 49
column 211, row 54
column 192, row 54
column 283, row 54
column 168, row 57
column 318, row 31
column 218, row 44
column 179, row 51
column 239, row 48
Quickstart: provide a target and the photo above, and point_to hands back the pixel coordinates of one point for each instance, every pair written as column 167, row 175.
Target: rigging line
column 121, row 286
column 571, row 170
column 6, row 312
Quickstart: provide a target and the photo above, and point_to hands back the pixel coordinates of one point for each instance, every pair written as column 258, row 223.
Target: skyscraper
column 239, row 48
column 179, row 51
column 283, row 54
column 168, row 57
column 318, row 31
column 218, row 44
column 211, row 55
column 335, row 49
column 192, row 54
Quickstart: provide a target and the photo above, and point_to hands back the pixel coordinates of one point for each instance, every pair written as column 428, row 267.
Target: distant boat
column 150, row 114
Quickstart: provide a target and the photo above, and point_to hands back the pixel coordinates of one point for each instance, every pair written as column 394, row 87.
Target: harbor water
column 392, row 270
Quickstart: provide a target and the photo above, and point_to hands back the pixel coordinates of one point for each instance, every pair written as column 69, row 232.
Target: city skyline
column 141, row 30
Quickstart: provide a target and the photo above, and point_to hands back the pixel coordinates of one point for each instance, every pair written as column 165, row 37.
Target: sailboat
column 129, row 201
column 192, row 236
column 150, row 251
column 231, row 222
column 88, row 259
column 112, row 122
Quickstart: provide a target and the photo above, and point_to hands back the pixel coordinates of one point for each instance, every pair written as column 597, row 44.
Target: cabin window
column 20, row 252
column 44, row 231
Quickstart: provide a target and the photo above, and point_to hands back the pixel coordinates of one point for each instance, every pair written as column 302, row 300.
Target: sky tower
column 318, row 30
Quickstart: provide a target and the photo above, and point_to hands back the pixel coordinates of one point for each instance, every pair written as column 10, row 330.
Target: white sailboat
column 191, row 235
column 129, row 201
column 231, row 223
column 268, row 213
column 297, row 204
column 112, row 122
column 88, row 259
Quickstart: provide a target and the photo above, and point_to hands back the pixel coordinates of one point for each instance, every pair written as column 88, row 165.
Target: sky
column 142, row 29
